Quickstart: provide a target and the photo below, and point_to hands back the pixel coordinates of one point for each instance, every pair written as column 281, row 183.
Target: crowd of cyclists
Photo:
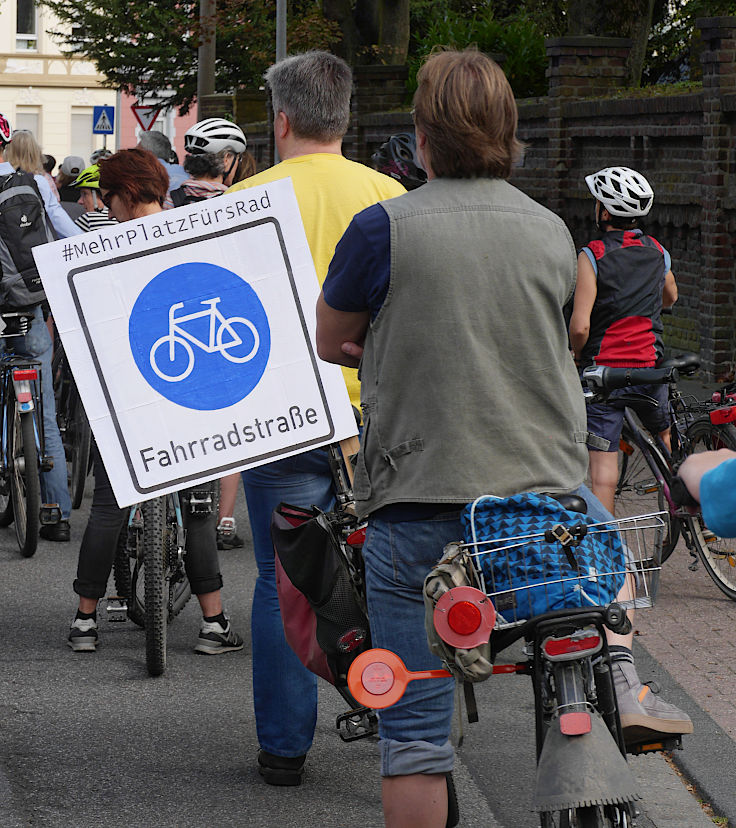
column 432, row 266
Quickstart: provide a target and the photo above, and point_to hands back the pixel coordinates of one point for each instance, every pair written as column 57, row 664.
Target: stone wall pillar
column 718, row 293
column 579, row 67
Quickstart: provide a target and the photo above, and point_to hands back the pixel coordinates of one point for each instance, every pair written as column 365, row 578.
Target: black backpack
column 180, row 197
column 23, row 225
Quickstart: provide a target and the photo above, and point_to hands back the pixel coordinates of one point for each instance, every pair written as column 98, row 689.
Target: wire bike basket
column 528, row 574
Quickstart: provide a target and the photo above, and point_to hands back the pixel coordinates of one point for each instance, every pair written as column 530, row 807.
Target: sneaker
column 214, row 639
column 227, row 538
column 281, row 770
column 643, row 714
column 58, row 532
column 83, row 635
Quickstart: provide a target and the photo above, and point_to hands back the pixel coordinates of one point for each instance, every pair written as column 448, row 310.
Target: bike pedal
column 654, row 745
column 50, row 513
column 47, row 463
column 116, row 608
column 200, row 502
column 357, row 724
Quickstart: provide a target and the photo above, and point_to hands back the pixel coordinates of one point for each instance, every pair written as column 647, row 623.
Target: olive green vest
column 467, row 384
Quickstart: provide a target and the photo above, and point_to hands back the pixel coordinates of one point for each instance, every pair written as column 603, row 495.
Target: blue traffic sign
column 103, row 120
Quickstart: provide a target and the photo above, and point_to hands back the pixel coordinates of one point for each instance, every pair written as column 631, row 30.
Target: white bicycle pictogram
column 218, row 328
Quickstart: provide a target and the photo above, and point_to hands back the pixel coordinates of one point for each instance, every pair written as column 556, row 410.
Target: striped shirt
column 95, row 219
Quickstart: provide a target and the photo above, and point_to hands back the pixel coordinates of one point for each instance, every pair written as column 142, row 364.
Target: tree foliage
column 144, row 48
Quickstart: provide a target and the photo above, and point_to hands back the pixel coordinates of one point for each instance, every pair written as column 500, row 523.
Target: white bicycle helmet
column 622, row 191
column 214, row 135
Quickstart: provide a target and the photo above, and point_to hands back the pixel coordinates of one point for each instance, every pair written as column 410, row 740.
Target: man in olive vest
column 451, row 298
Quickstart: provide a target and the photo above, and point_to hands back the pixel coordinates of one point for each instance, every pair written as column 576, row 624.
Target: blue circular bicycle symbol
column 200, row 336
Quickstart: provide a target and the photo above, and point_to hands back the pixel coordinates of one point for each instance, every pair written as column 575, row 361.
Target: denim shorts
column 606, row 419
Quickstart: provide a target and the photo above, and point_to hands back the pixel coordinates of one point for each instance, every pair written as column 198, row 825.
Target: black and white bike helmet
column 214, row 135
column 622, row 191
column 6, row 133
column 397, row 157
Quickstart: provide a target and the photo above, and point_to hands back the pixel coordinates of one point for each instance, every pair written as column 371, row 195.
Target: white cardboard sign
column 190, row 334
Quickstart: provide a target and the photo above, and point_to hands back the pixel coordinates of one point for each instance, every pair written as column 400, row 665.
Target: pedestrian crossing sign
column 103, row 120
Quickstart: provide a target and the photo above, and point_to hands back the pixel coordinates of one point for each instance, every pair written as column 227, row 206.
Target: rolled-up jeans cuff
column 407, row 758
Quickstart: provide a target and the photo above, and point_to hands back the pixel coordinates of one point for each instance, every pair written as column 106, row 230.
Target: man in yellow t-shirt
column 311, row 104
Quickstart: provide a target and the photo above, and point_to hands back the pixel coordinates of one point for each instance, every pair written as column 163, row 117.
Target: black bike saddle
column 686, row 364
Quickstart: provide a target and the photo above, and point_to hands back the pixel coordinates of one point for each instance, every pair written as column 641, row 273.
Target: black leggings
column 99, row 544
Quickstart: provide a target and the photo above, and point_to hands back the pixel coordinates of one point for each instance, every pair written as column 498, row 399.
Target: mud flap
column 581, row 771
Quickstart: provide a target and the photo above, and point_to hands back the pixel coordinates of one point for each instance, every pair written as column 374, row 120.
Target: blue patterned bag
column 527, row 576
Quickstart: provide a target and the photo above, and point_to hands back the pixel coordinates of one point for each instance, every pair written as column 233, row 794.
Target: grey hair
column 313, row 90
column 156, row 142
column 207, row 163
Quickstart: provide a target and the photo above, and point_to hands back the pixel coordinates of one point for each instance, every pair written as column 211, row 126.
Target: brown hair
column 465, row 107
column 246, row 167
column 136, row 175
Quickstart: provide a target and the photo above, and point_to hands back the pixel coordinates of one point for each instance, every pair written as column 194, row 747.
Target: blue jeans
column 415, row 732
column 284, row 691
column 37, row 344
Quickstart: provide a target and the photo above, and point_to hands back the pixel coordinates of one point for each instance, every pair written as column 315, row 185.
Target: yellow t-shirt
column 330, row 190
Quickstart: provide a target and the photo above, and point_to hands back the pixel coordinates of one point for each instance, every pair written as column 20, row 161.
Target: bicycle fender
column 581, row 771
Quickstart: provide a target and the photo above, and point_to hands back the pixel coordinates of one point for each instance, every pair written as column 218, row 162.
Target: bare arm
column 669, row 291
column 340, row 334
column 586, row 291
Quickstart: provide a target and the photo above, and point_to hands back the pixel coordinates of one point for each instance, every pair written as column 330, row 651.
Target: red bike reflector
column 351, row 640
column 377, row 678
column 720, row 416
column 464, row 618
column 25, row 374
column 561, row 646
column 23, row 396
column 625, row 447
column 357, row 538
column 575, row 724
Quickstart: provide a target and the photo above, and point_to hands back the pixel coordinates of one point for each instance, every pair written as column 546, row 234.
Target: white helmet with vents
column 214, row 135
column 622, row 191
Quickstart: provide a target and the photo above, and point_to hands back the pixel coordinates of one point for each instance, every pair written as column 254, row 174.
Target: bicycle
column 149, row 568
column 216, row 342
column 647, row 468
column 76, row 435
column 22, row 455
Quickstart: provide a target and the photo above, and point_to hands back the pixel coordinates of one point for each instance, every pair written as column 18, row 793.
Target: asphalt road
column 91, row 739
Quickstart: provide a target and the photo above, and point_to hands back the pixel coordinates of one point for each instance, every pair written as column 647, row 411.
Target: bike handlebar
column 601, row 379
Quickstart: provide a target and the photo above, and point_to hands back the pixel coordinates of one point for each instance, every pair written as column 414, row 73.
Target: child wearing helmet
column 624, row 281
column 95, row 213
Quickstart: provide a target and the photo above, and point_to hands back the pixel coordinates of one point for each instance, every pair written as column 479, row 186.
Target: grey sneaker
column 83, row 635
column 643, row 714
column 214, row 639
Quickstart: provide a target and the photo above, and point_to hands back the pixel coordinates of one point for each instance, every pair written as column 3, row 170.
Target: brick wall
column 684, row 144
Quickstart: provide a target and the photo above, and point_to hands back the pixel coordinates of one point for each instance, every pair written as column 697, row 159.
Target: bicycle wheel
column 126, row 571
column 589, row 817
column 155, row 583
column 80, row 438
column 637, row 489
column 25, row 487
column 717, row 554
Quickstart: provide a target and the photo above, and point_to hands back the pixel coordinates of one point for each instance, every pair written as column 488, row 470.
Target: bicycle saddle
column 686, row 364
column 571, row 502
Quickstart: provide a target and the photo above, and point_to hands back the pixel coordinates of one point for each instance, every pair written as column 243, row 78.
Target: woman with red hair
column 133, row 184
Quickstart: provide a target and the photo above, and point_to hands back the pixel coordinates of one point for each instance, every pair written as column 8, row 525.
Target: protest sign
column 190, row 334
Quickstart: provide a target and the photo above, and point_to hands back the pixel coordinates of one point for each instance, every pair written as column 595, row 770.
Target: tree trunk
column 342, row 13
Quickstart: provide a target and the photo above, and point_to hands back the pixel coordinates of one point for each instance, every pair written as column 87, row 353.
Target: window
column 81, row 137
column 26, row 25
column 28, row 118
